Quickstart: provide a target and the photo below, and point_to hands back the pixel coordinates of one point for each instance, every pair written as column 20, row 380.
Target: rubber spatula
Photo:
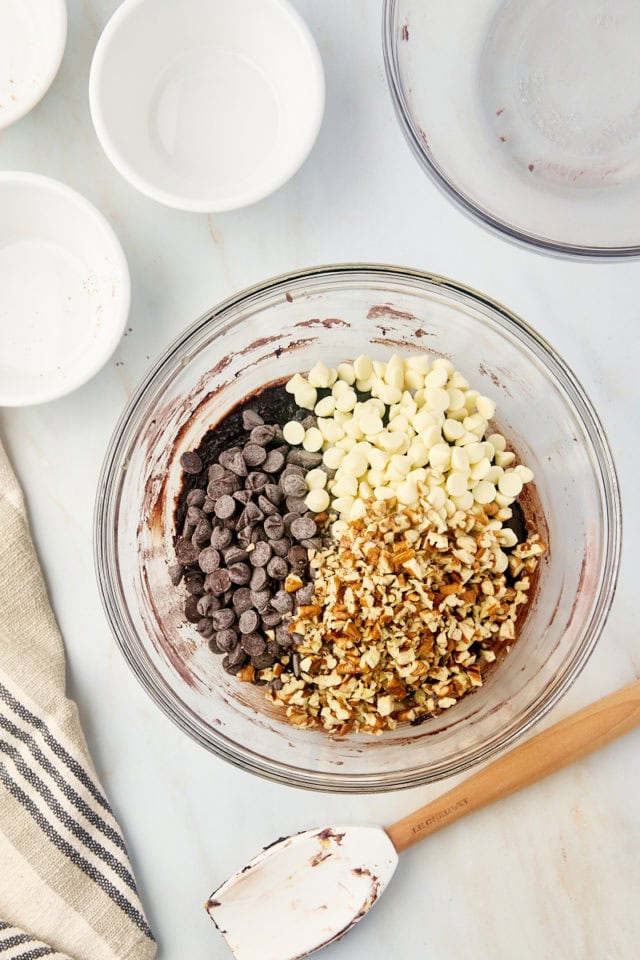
column 307, row 890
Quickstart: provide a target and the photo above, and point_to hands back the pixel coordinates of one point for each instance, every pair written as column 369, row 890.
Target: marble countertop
column 549, row 873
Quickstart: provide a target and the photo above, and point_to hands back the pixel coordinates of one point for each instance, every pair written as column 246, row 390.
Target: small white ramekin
column 206, row 105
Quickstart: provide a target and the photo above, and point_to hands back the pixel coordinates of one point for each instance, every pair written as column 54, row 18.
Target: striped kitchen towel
column 67, row 891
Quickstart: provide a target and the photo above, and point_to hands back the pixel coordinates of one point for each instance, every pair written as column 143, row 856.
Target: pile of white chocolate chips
column 424, row 582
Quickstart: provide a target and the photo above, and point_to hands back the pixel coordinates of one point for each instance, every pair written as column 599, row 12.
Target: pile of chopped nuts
column 410, row 609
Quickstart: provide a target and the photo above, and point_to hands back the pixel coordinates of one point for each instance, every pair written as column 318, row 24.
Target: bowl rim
column 243, row 757
column 131, row 173
column 500, row 227
column 111, row 336
column 55, row 46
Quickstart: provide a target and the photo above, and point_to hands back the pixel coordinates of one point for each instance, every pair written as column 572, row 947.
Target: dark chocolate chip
column 260, row 555
column 304, row 458
column 186, row 552
column 251, row 515
column 236, row 464
column 215, row 472
column 258, row 534
column 271, row 619
column 213, row 646
column 251, row 419
column 261, row 435
column 191, row 462
column 220, row 581
column 244, row 536
column 176, row 570
column 242, row 599
column 195, row 515
column 249, row 622
column 194, row 584
column 282, row 601
column 263, row 660
column 243, row 496
column 274, row 462
column 226, row 639
column 283, row 637
column 278, row 568
column 256, row 481
column 195, row 498
column 234, row 554
column 260, row 599
column 309, row 421
column 274, row 527
column 254, row 455
column 240, row 573
column 209, row 560
column 269, row 509
column 259, row 579
column 205, row 627
column 202, row 534
column 208, row 505
column 225, row 507
column 281, row 546
column 220, row 537
column 275, row 684
column 315, row 543
column 275, row 493
column 294, row 486
column 191, row 610
column 298, row 557
column 296, row 505
column 303, row 528
column 292, row 470
column 305, row 594
column 188, row 530
column 208, row 605
column 295, row 663
column 223, row 619
column 237, row 656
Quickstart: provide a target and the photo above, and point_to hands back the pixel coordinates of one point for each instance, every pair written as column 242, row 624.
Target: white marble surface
column 550, row 873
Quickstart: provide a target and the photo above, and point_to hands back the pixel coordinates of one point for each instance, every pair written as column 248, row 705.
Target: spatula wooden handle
column 557, row 747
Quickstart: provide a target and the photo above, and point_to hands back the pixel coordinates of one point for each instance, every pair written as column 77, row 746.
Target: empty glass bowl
column 526, row 112
column 270, row 332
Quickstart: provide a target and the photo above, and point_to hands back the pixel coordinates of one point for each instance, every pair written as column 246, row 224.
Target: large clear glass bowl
column 283, row 326
column 526, row 113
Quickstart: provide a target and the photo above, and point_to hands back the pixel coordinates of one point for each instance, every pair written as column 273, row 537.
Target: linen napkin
column 67, row 891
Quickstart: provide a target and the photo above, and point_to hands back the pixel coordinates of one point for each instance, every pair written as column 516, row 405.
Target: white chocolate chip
column 510, row 484
column 325, row 407
column 319, row 375
column 346, row 373
column 498, row 442
column 363, row 367
column 484, row 492
column 295, row 383
column 316, row 479
column 485, row 407
column 306, row 396
column 437, row 398
column 525, row 474
column 346, row 401
column 317, row 500
column 313, row 440
column 333, row 457
column 293, row 432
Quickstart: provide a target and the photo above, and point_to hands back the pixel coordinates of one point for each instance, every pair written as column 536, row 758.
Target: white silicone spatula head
column 303, row 892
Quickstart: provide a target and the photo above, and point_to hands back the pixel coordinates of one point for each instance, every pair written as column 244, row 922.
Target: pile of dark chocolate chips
column 243, row 536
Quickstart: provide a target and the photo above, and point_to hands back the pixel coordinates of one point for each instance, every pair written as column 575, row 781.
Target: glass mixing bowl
column 526, row 113
column 286, row 325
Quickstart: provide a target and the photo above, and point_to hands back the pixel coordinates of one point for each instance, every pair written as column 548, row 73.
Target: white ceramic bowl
column 64, row 289
column 33, row 34
column 206, row 105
